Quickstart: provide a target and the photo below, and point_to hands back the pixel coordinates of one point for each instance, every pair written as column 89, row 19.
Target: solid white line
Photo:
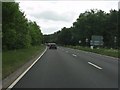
column 11, row 86
column 74, row 55
column 94, row 65
column 96, row 54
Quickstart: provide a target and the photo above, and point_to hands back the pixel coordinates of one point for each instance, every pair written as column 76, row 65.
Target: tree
column 92, row 22
column 35, row 33
column 17, row 31
column 65, row 36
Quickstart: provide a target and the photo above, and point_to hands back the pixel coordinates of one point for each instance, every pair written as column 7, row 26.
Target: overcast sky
column 51, row 16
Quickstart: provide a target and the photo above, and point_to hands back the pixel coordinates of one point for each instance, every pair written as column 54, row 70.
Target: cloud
column 53, row 16
column 49, row 27
column 50, row 30
column 119, row 5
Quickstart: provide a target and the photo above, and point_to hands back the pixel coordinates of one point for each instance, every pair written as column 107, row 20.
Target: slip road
column 70, row 68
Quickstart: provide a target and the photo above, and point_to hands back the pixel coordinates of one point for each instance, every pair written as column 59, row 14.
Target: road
column 70, row 68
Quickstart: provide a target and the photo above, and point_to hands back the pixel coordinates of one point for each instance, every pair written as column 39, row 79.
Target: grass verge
column 103, row 51
column 13, row 59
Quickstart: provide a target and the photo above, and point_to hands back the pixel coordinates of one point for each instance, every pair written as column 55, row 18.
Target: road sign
column 79, row 41
column 96, row 40
column 86, row 40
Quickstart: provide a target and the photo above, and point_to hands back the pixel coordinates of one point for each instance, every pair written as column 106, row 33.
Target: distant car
column 52, row 46
column 48, row 44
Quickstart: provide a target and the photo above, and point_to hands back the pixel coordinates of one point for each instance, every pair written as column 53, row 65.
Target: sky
column 51, row 16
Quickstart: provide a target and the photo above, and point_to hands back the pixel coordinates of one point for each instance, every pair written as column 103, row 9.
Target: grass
column 13, row 59
column 103, row 51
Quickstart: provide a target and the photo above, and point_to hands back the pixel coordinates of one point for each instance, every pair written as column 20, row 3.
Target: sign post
column 86, row 40
column 115, row 40
column 79, row 41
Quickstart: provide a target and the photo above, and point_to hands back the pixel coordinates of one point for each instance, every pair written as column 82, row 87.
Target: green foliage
column 93, row 22
column 65, row 36
column 13, row 59
column 35, row 33
column 17, row 31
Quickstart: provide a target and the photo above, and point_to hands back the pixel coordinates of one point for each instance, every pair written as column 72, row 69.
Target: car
column 52, row 46
column 48, row 44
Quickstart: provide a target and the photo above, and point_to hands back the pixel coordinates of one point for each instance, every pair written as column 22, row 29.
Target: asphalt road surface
column 70, row 68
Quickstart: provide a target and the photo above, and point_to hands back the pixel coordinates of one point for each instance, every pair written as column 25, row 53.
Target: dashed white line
column 74, row 55
column 94, row 65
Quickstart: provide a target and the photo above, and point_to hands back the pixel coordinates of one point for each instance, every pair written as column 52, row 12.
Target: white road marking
column 74, row 55
column 94, row 65
column 96, row 54
column 12, row 85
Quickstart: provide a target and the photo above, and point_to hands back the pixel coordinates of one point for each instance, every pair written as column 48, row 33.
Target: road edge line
column 103, row 55
column 96, row 53
column 20, row 76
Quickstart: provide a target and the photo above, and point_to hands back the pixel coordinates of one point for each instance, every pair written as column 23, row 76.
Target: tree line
column 91, row 22
column 17, row 31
